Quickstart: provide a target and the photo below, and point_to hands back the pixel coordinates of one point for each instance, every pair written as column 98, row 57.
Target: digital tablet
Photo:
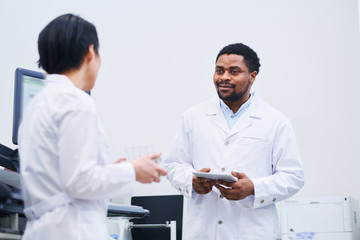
column 216, row 176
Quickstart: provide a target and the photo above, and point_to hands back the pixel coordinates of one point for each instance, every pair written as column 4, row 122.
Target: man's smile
column 225, row 86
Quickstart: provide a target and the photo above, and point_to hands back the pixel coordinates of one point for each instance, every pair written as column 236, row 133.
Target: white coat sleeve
column 83, row 175
column 287, row 177
column 178, row 163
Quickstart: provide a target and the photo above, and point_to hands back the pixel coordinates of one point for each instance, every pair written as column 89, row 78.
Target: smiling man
column 239, row 134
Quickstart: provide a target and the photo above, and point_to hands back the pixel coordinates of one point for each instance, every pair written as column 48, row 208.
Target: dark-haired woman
column 65, row 175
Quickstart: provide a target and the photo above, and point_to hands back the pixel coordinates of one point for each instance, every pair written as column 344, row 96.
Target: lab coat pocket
column 253, row 153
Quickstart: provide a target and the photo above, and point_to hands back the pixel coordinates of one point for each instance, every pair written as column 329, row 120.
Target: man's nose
column 225, row 76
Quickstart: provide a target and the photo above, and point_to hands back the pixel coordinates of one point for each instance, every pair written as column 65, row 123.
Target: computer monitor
column 27, row 84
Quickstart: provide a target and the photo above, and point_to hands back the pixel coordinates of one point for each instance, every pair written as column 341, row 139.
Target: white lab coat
column 261, row 144
column 63, row 149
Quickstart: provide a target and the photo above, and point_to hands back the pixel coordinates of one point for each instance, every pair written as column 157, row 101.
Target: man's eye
column 219, row 71
column 234, row 72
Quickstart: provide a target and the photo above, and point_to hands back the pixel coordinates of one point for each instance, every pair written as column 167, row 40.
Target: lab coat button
column 220, row 222
column 262, row 201
column 226, row 143
column 232, row 116
column 274, row 199
column 180, row 189
column 187, row 191
column 221, row 196
column 223, row 169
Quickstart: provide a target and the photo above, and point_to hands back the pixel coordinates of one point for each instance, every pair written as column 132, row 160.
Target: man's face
column 232, row 78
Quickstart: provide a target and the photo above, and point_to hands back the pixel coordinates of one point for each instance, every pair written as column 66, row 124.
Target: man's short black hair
column 64, row 43
column 251, row 59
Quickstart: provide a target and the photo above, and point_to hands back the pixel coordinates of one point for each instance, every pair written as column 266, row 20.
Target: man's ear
column 253, row 76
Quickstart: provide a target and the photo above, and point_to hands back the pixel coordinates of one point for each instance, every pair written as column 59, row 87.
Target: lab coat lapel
column 215, row 114
column 246, row 120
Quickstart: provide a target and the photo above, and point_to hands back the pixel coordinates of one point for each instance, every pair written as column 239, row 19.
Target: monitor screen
column 27, row 84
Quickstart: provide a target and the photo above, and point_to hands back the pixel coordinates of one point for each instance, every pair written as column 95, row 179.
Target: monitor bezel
column 18, row 91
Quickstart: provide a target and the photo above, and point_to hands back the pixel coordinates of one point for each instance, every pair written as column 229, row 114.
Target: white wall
column 158, row 59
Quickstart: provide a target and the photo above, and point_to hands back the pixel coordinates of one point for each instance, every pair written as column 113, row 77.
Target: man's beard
column 234, row 96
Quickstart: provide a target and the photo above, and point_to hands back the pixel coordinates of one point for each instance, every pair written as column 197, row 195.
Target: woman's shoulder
column 64, row 99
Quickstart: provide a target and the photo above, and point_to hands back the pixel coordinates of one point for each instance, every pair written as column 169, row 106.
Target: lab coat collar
column 214, row 111
column 58, row 79
column 254, row 108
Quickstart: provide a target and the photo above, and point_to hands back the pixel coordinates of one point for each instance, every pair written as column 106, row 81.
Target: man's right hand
column 203, row 185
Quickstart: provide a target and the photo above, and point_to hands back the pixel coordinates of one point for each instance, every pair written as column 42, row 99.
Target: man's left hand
column 236, row 190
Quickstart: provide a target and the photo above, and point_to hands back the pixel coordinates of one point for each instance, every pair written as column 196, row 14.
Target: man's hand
column 236, row 190
column 202, row 185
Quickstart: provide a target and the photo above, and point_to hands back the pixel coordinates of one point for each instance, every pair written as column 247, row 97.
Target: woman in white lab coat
column 65, row 175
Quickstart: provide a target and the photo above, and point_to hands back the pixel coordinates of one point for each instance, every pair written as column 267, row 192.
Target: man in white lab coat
column 236, row 133
column 66, row 176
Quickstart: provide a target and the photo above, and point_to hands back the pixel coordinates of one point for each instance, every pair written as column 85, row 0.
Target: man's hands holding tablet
column 236, row 186
column 202, row 185
column 237, row 190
